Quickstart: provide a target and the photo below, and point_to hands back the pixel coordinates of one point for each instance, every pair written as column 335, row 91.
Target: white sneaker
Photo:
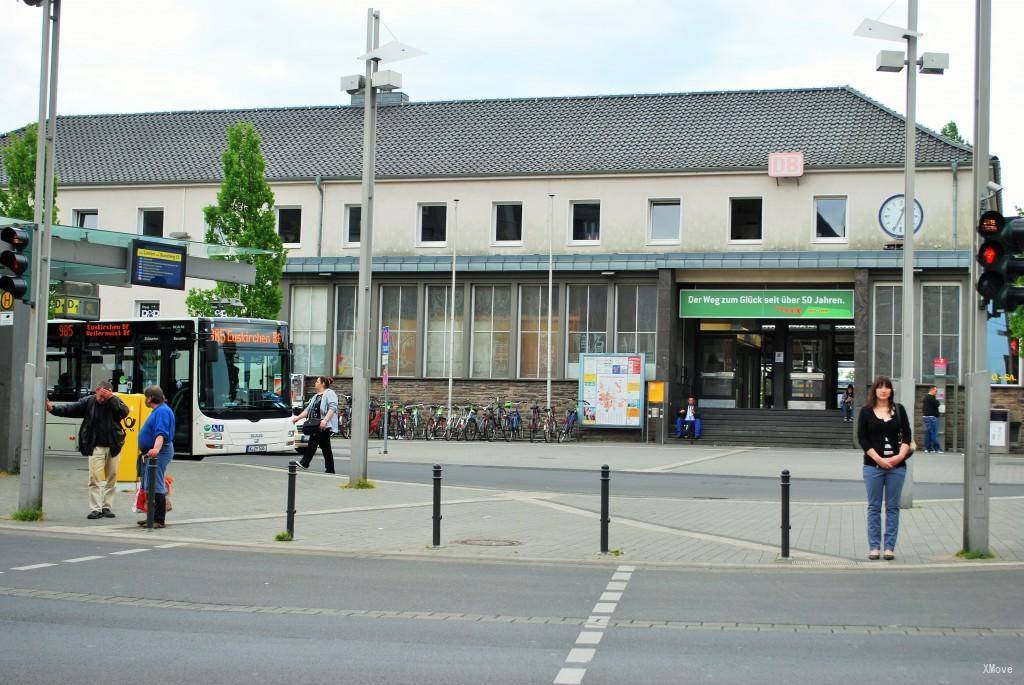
column 299, row 465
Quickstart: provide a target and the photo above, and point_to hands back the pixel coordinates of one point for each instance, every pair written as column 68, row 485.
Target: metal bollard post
column 605, row 477
column 292, row 470
column 151, row 492
column 785, row 514
column 437, row 506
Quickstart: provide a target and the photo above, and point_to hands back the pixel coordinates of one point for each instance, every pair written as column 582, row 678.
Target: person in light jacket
column 323, row 406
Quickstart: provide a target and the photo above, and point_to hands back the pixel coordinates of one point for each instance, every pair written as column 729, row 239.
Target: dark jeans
column 321, row 439
column 931, row 434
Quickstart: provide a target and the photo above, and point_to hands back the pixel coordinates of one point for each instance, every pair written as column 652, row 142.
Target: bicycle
column 571, row 427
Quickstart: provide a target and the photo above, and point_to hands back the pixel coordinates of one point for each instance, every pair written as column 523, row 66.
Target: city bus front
column 243, row 403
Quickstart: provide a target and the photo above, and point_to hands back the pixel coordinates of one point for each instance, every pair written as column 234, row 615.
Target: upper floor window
column 289, row 225
column 151, row 222
column 745, row 219
column 433, row 219
column 586, row 222
column 353, row 224
column 664, row 221
column 830, row 219
column 508, row 222
column 86, row 218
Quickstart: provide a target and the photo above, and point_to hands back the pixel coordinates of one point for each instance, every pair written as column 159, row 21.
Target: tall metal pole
column 451, row 315
column 30, row 491
column 976, row 452
column 365, row 340
column 907, row 384
column 551, row 269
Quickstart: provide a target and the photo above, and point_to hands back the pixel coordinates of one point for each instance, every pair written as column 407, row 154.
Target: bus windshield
column 243, row 382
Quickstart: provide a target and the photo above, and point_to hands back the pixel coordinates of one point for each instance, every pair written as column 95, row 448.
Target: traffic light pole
column 979, row 391
column 33, row 441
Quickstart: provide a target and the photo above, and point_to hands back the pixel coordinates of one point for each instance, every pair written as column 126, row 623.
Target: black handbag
column 311, row 426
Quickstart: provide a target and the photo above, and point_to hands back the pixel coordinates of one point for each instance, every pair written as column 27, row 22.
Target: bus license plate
column 255, row 448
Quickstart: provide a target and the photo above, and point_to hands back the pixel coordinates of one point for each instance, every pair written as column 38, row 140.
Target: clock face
column 891, row 213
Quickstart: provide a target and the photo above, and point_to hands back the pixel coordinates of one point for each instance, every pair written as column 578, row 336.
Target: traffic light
column 17, row 238
column 1000, row 260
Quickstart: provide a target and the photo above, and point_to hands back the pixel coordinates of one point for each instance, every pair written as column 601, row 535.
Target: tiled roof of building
column 816, row 259
column 835, row 127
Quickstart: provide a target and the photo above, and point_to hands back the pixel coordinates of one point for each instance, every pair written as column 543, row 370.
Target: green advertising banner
column 766, row 304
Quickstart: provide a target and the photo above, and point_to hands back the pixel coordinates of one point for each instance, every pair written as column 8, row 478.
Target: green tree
column 1015, row 319
column 18, row 201
column 244, row 217
column 951, row 132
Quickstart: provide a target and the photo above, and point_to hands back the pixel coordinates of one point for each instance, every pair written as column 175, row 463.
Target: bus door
column 168, row 363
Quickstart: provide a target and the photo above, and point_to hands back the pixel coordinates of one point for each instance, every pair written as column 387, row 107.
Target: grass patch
column 616, row 552
column 283, row 536
column 359, row 485
column 975, row 554
column 29, row 514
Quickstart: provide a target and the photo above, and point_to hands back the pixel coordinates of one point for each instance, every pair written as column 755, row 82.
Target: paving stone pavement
column 221, row 503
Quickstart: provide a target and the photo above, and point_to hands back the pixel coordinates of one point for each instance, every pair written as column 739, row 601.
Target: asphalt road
column 677, row 485
column 268, row 617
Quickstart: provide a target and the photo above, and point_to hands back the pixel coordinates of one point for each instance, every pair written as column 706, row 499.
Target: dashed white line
column 570, row 676
column 611, row 596
column 171, row 545
column 622, row 576
column 629, row 569
column 130, row 551
column 589, row 638
column 580, row 655
column 597, row 622
column 78, row 559
column 616, row 585
column 604, row 608
column 31, row 568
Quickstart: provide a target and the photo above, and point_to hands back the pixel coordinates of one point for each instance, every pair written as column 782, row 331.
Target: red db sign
column 785, row 164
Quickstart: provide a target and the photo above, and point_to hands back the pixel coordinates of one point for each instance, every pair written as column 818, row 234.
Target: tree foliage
column 243, row 217
column 1015, row 320
column 951, row 132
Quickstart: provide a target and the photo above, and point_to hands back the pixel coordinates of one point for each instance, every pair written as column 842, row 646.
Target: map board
column 611, row 391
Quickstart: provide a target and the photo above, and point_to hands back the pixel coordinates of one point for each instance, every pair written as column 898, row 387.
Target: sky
column 159, row 55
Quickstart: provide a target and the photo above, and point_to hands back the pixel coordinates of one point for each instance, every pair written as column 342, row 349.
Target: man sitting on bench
column 688, row 422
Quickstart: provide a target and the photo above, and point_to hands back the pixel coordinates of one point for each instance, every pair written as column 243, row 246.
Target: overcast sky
column 153, row 55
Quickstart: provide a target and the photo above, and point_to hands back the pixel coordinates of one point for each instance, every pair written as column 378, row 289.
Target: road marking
column 171, row 545
column 570, row 676
column 589, row 638
column 604, row 608
column 677, row 465
column 597, row 622
column 616, row 585
column 130, row 551
column 580, row 655
column 31, row 568
column 611, row 596
column 628, row 569
column 621, row 576
column 78, row 559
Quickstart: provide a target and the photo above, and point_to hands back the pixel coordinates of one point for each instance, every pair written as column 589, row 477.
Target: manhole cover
column 483, row 542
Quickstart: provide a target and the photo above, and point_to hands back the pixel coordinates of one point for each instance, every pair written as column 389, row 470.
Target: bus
column 227, row 379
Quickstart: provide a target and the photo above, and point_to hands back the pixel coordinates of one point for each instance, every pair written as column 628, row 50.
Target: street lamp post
column 368, row 83
column 930, row 63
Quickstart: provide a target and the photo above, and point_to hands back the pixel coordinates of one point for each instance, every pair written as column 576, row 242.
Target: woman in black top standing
column 884, row 434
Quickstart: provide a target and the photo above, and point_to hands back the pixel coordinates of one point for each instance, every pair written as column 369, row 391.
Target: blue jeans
column 847, row 410
column 163, row 460
column 888, row 483
column 694, row 427
column 931, row 434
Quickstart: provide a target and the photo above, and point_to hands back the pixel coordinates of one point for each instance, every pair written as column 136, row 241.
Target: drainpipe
column 319, row 181
column 956, row 239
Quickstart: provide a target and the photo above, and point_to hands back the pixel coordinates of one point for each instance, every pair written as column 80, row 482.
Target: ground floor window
column 940, row 328
column 345, row 331
column 491, row 354
column 586, row 324
column 888, row 327
column 309, row 328
column 636, row 321
column 398, row 312
column 1003, row 353
column 441, row 346
column 533, row 331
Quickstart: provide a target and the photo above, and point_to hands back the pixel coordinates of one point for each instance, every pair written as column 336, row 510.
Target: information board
column 611, row 390
column 766, row 304
column 158, row 265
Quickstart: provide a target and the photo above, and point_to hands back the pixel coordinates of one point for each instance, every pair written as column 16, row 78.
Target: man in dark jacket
column 100, row 437
column 931, row 421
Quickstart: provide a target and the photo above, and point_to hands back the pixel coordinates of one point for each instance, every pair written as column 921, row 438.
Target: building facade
column 666, row 232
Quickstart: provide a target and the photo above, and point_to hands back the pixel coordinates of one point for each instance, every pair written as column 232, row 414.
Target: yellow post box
column 138, row 412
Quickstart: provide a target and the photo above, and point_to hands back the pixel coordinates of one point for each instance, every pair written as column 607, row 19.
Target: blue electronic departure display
column 158, row 265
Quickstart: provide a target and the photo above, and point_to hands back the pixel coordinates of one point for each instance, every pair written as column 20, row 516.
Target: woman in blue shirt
column 155, row 440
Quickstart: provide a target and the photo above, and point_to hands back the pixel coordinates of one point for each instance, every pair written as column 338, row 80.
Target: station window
column 345, row 330
column 439, row 326
column 309, row 328
column 353, row 224
column 398, row 312
column 508, row 222
column 433, row 229
column 533, row 330
column 745, row 219
column 940, row 328
column 636, row 321
column 289, row 225
column 663, row 223
column 491, row 353
column 86, row 218
column 586, row 222
column 586, row 324
column 830, row 219
column 888, row 327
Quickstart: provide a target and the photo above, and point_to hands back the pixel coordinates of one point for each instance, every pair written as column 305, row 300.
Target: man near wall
column 930, row 414
column 100, row 437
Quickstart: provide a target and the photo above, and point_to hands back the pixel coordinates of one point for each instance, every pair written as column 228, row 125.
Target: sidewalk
column 244, row 504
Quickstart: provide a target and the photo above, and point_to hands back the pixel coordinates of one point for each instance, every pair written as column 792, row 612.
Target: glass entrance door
column 169, row 365
column 807, row 365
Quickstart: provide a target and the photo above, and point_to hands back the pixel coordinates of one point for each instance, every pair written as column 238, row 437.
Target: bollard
column 785, row 514
column 605, row 477
column 292, row 470
column 437, row 506
column 150, row 492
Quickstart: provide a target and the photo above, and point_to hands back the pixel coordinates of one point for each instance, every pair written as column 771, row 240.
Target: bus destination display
column 158, row 265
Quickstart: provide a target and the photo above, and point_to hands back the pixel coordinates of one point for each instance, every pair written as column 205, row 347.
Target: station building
column 762, row 296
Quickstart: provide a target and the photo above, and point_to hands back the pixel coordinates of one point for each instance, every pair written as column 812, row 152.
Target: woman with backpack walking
column 883, row 432
column 321, row 422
